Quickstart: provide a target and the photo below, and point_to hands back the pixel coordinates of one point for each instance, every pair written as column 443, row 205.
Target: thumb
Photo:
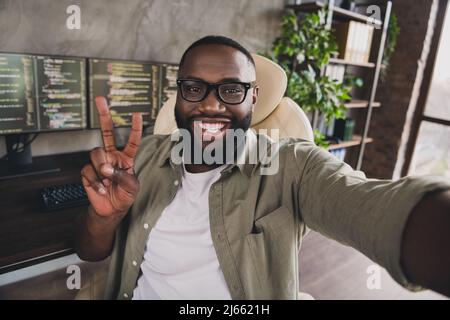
column 125, row 180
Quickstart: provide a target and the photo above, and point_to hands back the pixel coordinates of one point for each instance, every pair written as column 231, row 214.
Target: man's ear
column 255, row 96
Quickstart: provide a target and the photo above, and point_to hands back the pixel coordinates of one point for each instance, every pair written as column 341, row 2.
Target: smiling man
column 223, row 230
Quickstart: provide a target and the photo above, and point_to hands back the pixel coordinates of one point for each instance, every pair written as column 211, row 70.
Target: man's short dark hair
column 221, row 40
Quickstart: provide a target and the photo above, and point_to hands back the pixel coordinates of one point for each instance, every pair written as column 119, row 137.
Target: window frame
column 419, row 114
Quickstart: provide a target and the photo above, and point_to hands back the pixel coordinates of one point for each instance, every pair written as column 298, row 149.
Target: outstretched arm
column 402, row 225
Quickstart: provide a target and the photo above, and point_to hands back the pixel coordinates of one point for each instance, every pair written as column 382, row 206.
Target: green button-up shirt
column 258, row 221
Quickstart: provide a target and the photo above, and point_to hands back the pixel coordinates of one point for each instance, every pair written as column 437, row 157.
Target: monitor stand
column 20, row 162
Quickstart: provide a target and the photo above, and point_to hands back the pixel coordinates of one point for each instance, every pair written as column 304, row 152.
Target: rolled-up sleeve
column 367, row 214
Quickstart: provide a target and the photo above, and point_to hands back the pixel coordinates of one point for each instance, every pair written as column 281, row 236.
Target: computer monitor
column 168, row 82
column 17, row 94
column 61, row 93
column 128, row 86
column 38, row 94
column 41, row 93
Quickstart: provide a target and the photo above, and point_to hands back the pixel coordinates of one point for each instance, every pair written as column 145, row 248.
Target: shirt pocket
column 280, row 218
column 272, row 249
column 273, row 231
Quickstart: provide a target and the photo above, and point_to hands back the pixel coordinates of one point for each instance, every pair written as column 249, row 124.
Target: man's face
column 212, row 117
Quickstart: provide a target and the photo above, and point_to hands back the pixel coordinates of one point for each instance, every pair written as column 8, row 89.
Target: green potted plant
column 302, row 50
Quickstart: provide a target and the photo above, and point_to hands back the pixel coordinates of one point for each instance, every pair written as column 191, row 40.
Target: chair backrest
column 272, row 111
column 289, row 119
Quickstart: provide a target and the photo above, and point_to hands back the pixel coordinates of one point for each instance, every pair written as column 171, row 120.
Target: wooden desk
column 28, row 235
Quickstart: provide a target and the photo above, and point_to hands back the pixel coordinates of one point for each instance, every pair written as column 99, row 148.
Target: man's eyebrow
column 229, row 79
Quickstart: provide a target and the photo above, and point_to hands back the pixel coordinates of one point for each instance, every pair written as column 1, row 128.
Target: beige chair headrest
column 165, row 121
column 272, row 82
column 289, row 119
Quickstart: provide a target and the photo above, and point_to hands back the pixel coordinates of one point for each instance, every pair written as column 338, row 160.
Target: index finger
column 106, row 124
column 135, row 136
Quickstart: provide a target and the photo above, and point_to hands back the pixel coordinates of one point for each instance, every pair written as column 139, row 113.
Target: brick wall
column 398, row 93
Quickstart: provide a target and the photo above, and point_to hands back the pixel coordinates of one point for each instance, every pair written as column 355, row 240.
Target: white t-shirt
column 180, row 261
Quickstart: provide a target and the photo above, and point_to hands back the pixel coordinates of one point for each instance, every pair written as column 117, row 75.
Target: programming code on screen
column 61, row 93
column 17, row 96
column 169, row 75
column 128, row 87
column 47, row 93
column 41, row 93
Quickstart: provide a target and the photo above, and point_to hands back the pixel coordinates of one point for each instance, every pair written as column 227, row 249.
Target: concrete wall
column 157, row 30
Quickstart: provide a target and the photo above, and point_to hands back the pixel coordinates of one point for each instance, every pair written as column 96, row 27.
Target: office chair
column 272, row 111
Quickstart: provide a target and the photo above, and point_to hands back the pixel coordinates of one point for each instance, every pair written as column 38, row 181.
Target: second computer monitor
column 61, row 92
column 127, row 86
column 130, row 86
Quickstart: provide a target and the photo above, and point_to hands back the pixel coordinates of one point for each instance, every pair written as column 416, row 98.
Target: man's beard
column 243, row 124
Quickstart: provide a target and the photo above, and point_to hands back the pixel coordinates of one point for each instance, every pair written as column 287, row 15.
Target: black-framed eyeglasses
column 232, row 92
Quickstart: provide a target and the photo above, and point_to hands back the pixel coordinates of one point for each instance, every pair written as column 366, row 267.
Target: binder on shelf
column 335, row 72
column 349, row 126
column 344, row 36
column 368, row 44
column 354, row 40
column 343, row 129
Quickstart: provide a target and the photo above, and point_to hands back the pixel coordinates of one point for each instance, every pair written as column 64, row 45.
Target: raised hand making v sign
column 110, row 183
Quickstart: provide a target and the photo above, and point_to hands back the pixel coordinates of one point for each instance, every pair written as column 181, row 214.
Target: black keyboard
column 63, row 196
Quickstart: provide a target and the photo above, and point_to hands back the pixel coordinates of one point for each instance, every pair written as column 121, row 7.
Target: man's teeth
column 211, row 127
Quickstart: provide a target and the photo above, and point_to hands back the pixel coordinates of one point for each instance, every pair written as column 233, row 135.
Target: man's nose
column 211, row 105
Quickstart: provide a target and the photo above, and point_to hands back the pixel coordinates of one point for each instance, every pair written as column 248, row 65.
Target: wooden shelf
column 351, row 63
column 361, row 104
column 356, row 141
column 338, row 12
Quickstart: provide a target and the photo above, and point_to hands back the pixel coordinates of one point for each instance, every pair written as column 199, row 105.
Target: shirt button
column 176, row 182
column 145, row 226
column 134, row 263
column 125, row 295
